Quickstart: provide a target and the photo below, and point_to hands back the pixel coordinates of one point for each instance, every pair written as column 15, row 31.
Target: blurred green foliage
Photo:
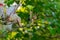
column 47, row 24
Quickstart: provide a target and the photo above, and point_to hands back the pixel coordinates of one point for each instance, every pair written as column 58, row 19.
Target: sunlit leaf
column 30, row 7
column 13, row 34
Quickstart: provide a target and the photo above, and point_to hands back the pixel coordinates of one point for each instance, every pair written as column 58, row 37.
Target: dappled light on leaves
column 40, row 20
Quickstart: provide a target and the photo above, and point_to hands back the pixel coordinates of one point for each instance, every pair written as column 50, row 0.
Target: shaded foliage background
column 46, row 26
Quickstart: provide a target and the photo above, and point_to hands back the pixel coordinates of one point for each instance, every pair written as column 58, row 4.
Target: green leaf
column 52, row 31
column 30, row 7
